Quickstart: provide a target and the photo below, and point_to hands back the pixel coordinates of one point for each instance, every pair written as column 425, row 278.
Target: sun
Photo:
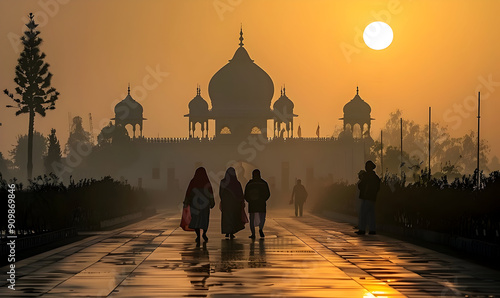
column 378, row 35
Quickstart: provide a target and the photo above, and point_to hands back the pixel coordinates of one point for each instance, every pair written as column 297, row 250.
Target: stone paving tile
column 304, row 257
column 408, row 268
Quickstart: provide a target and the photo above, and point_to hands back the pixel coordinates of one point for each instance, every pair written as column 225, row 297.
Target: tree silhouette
column 53, row 152
column 112, row 134
column 33, row 93
column 449, row 155
column 39, row 149
column 4, row 166
column 468, row 146
column 494, row 164
column 79, row 139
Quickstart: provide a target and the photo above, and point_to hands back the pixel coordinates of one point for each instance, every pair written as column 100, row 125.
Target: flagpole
column 382, row 153
column 478, row 139
column 430, row 123
column 401, row 165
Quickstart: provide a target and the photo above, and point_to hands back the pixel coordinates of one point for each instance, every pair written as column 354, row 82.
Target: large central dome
column 241, row 85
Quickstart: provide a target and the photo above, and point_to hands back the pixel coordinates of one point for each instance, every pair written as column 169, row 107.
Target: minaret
column 357, row 119
column 198, row 113
column 283, row 109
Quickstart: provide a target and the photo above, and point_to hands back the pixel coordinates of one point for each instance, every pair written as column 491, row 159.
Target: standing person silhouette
column 358, row 198
column 300, row 194
column 232, row 204
column 200, row 198
column 256, row 194
column 368, row 186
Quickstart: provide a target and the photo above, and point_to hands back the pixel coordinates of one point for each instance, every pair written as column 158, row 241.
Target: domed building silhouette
column 198, row 113
column 129, row 112
column 241, row 94
column 234, row 132
column 283, row 114
column 357, row 119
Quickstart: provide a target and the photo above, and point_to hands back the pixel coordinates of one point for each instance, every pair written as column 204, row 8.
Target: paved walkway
column 304, row 257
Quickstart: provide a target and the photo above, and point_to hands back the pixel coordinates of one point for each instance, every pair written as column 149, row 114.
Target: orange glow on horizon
column 442, row 53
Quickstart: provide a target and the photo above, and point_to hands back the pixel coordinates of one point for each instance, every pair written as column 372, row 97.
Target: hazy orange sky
column 442, row 54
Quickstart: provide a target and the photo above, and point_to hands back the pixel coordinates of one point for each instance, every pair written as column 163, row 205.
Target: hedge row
column 459, row 208
column 48, row 205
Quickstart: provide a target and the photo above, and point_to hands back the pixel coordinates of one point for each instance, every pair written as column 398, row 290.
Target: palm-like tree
column 33, row 93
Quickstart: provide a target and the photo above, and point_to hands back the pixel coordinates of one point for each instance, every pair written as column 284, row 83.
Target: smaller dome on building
column 357, row 106
column 128, row 108
column 283, row 103
column 357, row 120
column 129, row 112
column 198, row 105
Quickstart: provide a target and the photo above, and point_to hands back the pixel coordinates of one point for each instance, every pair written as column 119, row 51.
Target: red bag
column 186, row 219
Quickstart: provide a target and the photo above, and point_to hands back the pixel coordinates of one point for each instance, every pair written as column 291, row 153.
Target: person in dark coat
column 232, row 204
column 368, row 186
column 200, row 198
column 256, row 194
column 300, row 194
column 358, row 199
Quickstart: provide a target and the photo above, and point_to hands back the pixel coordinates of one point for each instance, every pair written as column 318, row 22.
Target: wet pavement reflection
column 196, row 264
column 305, row 257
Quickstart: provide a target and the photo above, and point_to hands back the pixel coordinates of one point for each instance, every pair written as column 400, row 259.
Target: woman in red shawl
column 200, row 198
column 232, row 204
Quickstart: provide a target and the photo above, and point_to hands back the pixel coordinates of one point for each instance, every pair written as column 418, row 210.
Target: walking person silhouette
column 256, row 194
column 232, row 204
column 368, row 186
column 300, row 194
column 200, row 199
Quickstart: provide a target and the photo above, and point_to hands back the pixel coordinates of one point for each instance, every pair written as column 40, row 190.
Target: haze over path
column 305, row 257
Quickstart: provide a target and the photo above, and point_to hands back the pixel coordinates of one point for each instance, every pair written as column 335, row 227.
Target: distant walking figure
column 300, row 194
column 232, row 204
column 200, row 199
column 368, row 186
column 256, row 194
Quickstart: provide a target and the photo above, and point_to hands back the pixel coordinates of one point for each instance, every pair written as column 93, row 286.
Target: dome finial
column 128, row 88
column 284, row 89
column 281, row 91
column 198, row 90
column 357, row 90
column 241, row 35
